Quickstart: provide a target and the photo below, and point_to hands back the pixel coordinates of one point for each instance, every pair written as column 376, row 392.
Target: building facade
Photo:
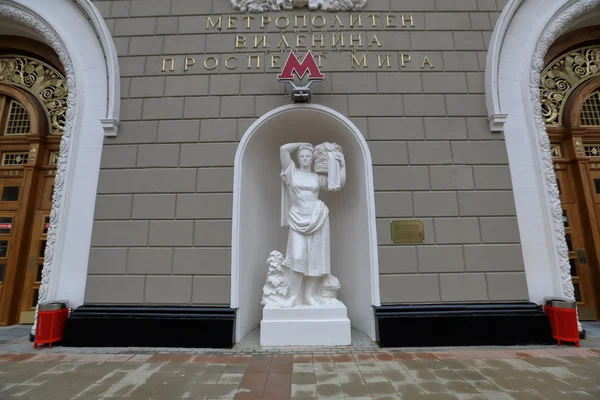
column 140, row 151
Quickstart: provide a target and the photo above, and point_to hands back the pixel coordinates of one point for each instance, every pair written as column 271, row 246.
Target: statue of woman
column 308, row 248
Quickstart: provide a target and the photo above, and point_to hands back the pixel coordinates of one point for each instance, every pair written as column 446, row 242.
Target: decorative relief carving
column 562, row 76
column 258, row 6
column 41, row 80
column 54, row 158
column 28, row 20
column 579, row 150
column 560, row 167
column 33, row 154
column 575, row 10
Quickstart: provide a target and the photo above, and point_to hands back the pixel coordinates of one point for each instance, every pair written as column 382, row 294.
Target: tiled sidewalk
column 555, row 373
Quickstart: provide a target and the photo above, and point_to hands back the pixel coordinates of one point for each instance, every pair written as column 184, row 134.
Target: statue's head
column 305, row 155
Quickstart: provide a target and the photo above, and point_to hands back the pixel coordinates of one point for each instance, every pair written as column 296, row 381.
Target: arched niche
column 256, row 212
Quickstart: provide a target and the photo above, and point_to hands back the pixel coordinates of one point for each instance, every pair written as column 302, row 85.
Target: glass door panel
column 11, row 191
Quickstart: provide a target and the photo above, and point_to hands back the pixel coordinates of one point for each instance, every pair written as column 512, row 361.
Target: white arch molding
column 257, row 181
column 522, row 37
column 89, row 58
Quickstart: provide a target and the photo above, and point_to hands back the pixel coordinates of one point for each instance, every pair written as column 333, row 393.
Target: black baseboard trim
column 482, row 324
column 150, row 326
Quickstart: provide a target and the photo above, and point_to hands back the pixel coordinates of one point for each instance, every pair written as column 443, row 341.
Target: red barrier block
column 564, row 324
column 50, row 325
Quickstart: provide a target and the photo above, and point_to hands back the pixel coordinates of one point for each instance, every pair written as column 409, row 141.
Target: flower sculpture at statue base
column 275, row 290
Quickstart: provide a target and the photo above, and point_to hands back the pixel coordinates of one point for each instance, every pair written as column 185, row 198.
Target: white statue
column 308, row 280
column 277, row 5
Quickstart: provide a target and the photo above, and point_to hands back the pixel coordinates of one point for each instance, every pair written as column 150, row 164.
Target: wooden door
column 11, row 237
column 576, row 154
column 37, row 241
column 28, row 156
column 593, row 182
column 578, row 241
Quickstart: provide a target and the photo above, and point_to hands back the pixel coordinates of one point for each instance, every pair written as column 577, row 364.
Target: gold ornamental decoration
column 43, row 81
column 562, row 76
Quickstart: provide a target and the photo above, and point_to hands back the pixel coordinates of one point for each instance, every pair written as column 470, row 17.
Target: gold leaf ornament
column 43, row 81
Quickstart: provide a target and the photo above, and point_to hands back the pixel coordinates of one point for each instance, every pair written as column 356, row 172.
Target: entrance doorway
column 28, row 159
column 576, row 158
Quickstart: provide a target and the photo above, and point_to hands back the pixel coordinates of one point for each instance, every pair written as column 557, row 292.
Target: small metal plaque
column 407, row 232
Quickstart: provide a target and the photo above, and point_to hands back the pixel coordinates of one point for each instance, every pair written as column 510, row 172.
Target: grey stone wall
column 162, row 230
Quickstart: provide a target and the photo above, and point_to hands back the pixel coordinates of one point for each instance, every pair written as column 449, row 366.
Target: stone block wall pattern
column 162, row 230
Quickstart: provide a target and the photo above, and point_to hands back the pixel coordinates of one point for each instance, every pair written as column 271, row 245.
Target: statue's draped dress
column 308, row 246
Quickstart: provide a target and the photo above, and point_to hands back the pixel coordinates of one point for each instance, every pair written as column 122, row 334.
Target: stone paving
column 557, row 373
column 353, row 372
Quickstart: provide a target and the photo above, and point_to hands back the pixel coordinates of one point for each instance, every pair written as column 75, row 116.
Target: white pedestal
column 327, row 325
